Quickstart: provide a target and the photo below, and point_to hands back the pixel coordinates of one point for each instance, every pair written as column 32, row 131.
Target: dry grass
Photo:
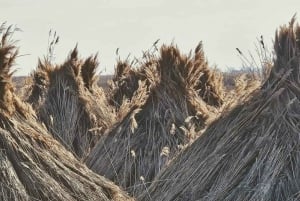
column 159, row 107
column 69, row 102
column 157, row 132
column 251, row 153
column 239, row 84
column 208, row 85
column 33, row 165
column 244, row 84
column 123, row 84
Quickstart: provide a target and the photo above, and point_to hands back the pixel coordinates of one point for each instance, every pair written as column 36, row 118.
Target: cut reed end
column 88, row 71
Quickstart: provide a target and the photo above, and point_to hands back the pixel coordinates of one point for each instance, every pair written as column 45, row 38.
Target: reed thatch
column 69, row 102
column 251, row 153
column 125, row 80
column 123, row 84
column 155, row 122
column 243, row 86
column 34, row 166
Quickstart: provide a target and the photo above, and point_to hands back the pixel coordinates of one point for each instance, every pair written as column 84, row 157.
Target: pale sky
column 133, row 25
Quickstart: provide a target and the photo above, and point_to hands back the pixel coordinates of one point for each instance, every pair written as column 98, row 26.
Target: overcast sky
column 133, row 25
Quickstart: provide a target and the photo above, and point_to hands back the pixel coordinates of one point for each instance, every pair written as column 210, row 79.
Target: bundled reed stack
column 251, row 153
column 239, row 92
column 125, row 81
column 34, row 166
column 155, row 125
column 124, row 84
column 69, row 103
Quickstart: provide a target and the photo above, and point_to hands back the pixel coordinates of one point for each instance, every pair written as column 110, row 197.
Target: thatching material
column 244, row 86
column 156, row 120
column 68, row 101
column 208, row 85
column 123, row 84
column 88, row 72
column 253, row 152
column 34, row 166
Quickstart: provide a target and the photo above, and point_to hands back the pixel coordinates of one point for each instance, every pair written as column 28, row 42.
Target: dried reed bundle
column 69, row 102
column 251, row 153
column 34, row 166
column 158, row 120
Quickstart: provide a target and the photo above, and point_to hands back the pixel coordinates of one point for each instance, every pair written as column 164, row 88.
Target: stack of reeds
column 164, row 108
column 69, row 102
column 123, row 84
column 33, row 165
column 252, row 152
